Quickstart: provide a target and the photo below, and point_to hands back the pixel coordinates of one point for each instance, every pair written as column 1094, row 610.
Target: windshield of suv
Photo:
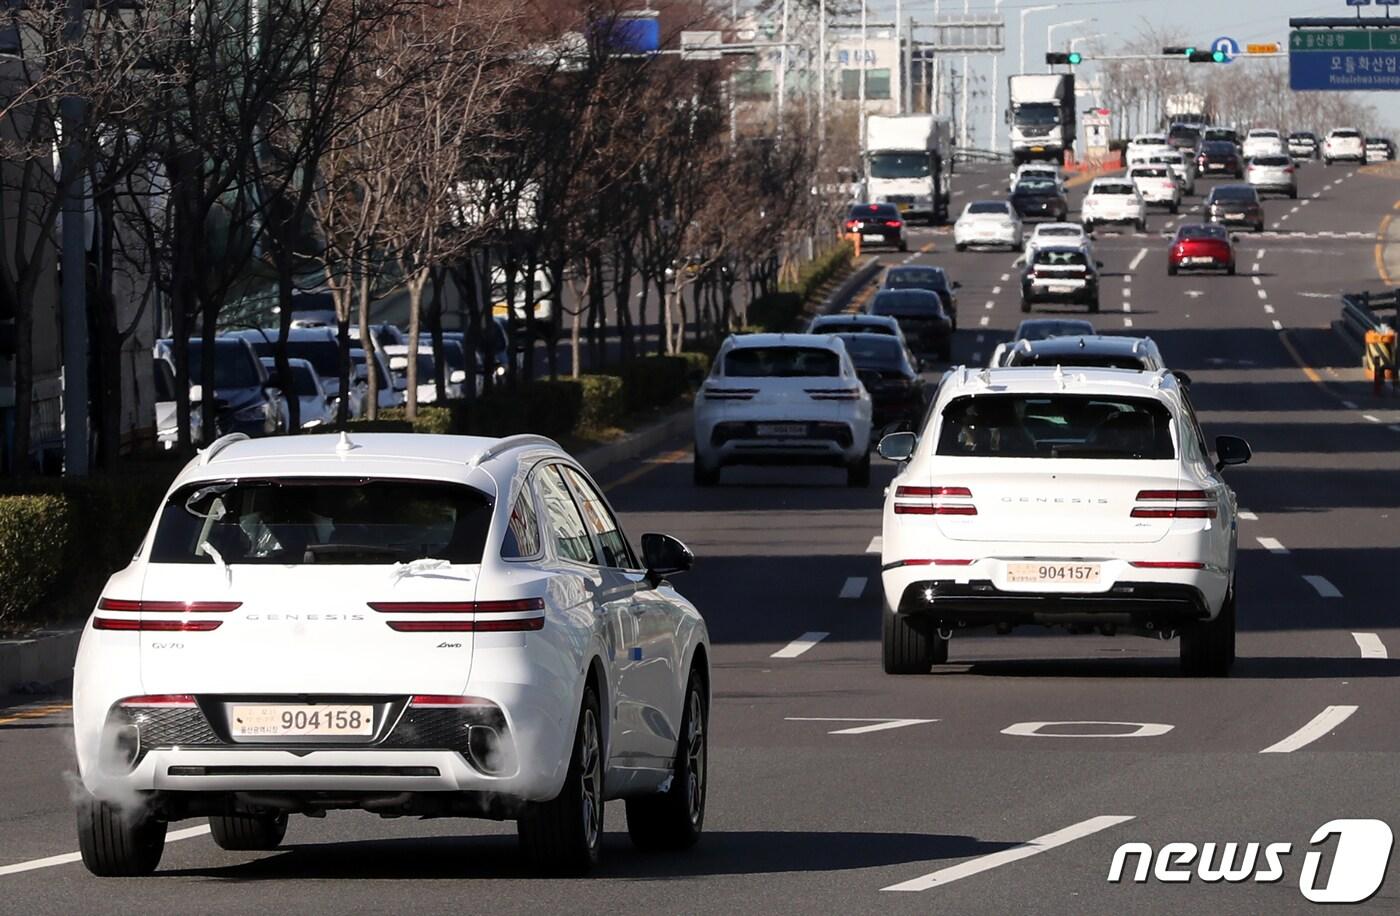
column 1218, row 148
column 987, row 206
column 874, row 352
column 1083, row 361
column 782, row 362
column 1111, row 189
column 916, row 278
column 1234, row 192
column 1056, row 426
column 899, row 165
column 349, row 521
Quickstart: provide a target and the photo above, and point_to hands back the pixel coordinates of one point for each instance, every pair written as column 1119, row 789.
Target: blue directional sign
column 1226, row 46
column 1340, row 60
column 1358, row 2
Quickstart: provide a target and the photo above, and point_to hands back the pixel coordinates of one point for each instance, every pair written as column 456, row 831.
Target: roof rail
column 218, row 445
column 510, row 442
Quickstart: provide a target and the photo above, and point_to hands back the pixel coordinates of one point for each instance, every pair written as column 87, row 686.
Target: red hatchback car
column 1201, row 247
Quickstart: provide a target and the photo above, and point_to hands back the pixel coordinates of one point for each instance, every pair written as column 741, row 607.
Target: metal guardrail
column 1359, row 312
column 963, row 154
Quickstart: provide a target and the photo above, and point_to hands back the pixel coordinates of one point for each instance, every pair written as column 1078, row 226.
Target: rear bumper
column 1143, row 605
column 828, row 441
column 1036, row 292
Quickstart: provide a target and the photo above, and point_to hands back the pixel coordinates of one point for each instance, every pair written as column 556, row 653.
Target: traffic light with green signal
column 1073, row 58
column 1196, row 56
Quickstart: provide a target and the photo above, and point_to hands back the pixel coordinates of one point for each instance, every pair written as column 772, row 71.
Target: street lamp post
column 1050, row 33
column 996, row 66
column 1024, row 13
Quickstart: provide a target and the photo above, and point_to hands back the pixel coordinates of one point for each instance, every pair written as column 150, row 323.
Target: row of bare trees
column 1246, row 93
column 237, row 152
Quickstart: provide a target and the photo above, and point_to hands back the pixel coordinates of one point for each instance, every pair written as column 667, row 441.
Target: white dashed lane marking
column 1323, row 588
column 986, row 320
column 876, row 545
column 1247, row 516
column 1370, row 645
column 854, row 587
column 1278, row 325
column 1321, row 724
column 1349, row 405
column 800, row 644
column 71, row 857
column 1015, row 854
column 1373, row 419
column 1268, row 309
column 1263, row 294
column 1137, row 259
column 1272, row 545
column 877, row 725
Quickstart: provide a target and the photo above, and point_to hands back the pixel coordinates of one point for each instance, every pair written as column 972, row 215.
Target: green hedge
column 782, row 310
column 654, row 381
column 602, row 403
column 36, row 536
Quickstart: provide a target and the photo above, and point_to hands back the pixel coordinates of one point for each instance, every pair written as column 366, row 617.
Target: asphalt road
column 811, row 808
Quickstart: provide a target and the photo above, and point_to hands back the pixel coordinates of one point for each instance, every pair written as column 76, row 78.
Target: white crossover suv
column 782, row 399
column 1083, row 498
column 1158, row 185
column 403, row 624
column 1113, row 200
column 1343, row 143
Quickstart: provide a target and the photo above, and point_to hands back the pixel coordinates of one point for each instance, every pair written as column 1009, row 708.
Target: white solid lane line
column 1373, row 419
column 1370, row 645
column 1247, row 516
column 1323, row 723
column 1323, row 588
column 1272, row 545
column 70, row 857
column 854, row 587
column 878, row 725
column 1015, row 854
column 876, row 545
column 800, row 644
column 1137, row 259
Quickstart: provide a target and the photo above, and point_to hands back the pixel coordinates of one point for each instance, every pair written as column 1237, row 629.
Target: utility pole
column 782, row 70
column 821, row 75
column 899, row 56
column 962, row 124
column 73, row 261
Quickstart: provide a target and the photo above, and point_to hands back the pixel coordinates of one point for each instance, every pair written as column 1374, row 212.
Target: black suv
column 933, row 279
column 1061, row 274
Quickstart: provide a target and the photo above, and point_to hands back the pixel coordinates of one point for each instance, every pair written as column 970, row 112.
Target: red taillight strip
column 164, row 626
column 1174, row 513
column 159, row 699
column 458, row 607
column 434, row 699
column 898, row 563
column 1173, row 494
column 167, row 607
column 931, row 491
column 901, row 509
column 467, row 626
column 1166, row 564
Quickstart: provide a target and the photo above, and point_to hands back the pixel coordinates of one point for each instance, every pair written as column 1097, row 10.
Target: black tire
column 1293, row 194
column 563, row 836
column 1208, row 647
column 1174, row 209
column 910, row 645
column 958, row 246
column 675, row 818
column 1231, row 269
column 1171, row 269
column 858, row 474
column 1259, row 227
column 1094, row 305
column 1327, row 163
column 1088, row 226
column 116, row 842
column 247, row 831
column 903, row 246
column 1025, row 305
column 946, row 354
column 704, row 475
column 1142, row 225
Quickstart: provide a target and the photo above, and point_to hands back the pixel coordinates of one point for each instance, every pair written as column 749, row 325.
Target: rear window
column 876, row 211
column 1056, row 426
column 1218, row 148
column 1264, row 134
column 869, row 352
column 1272, row 160
column 916, row 278
column 1036, row 186
column 1111, row 189
column 1058, row 232
column 346, row 521
column 902, row 303
column 1201, row 232
column 1042, row 328
column 1076, row 360
column 987, row 206
column 1149, row 173
column 782, row 362
column 1234, row 192
column 851, row 327
column 1059, row 257
column 1345, row 134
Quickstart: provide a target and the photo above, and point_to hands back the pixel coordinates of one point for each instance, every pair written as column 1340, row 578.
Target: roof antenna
column 344, row 446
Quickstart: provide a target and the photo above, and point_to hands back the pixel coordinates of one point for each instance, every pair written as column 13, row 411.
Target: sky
column 1122, row 21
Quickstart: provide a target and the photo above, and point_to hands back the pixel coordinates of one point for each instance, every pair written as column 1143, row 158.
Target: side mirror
column 665, row 556
column 1234, row 238
column 1230, row 451
column 398, row 363
column 457, row 376
column 897, row 446
column 1182, row 377
column 957, row 284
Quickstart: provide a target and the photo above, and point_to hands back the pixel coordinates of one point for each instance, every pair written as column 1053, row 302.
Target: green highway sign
column 1323, row 40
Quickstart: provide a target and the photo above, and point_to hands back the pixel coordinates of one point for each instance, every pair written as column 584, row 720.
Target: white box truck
column 1041, row 116
column 908, row 163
